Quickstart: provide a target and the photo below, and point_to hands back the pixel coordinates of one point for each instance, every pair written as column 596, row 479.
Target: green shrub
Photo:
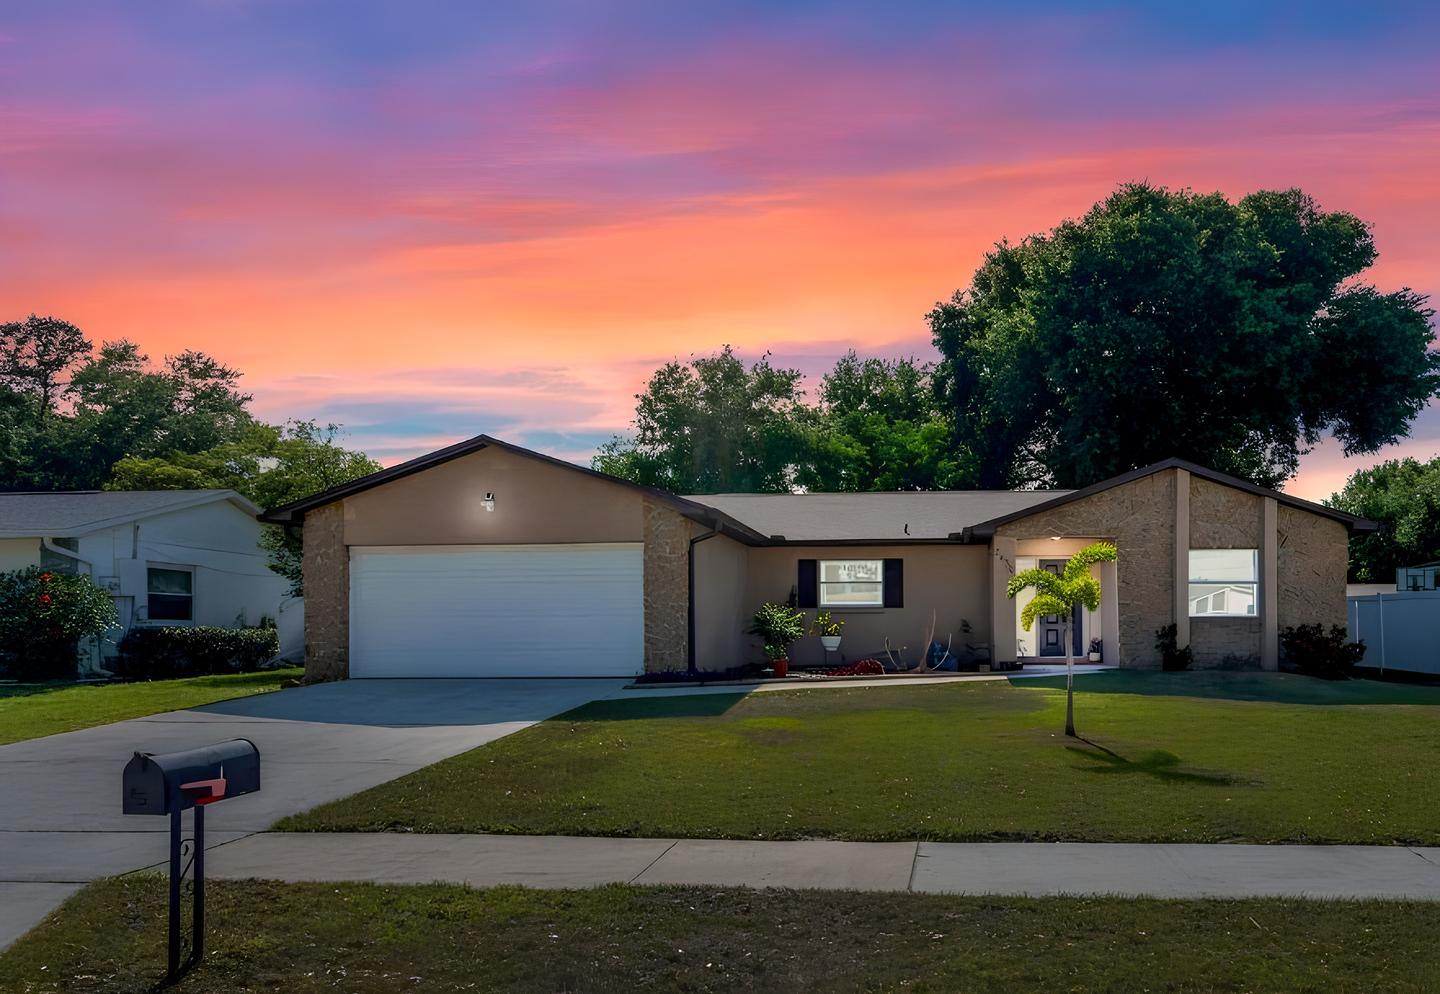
column 42, row 615
column 160, row 653
column 778, row 626
column 1172, row 657
column 1315, row 652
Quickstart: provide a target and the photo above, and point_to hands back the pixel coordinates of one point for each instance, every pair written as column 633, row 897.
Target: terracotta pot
column 780, row 666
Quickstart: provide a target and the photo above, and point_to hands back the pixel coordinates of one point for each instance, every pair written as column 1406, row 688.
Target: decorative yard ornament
column 1059, row 594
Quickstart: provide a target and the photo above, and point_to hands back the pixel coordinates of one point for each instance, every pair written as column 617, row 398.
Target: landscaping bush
column 1315, row 652
column 779, row 626
column 861, row 667
column 42, row 616
column 1172, row 657
column 160, row 653
column 742, row 672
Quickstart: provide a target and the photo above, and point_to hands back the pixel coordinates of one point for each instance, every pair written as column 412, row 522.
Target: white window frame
column 1253, row 585
column 175, row 568
column 847, row 605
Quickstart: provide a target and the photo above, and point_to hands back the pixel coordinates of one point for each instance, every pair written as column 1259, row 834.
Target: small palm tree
column 1058, row 594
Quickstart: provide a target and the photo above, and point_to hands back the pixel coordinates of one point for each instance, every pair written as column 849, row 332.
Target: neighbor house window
column 1224, row 583
column 852, row 583
column 171, row 594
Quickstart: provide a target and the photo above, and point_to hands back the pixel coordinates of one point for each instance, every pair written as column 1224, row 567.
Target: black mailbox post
column 168, row 784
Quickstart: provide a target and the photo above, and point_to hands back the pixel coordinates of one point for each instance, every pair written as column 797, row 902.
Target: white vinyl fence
column 1401, row 630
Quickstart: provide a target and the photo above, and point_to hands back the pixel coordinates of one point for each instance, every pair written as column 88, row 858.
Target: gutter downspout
column 690, row 598
column 49, row 546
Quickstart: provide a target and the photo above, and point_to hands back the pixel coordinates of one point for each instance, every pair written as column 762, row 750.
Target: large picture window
column 1224, row 583
column 852, row 583
column 170, row 594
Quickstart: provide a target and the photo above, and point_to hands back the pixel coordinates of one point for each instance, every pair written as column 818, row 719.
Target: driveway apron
column 60, row 820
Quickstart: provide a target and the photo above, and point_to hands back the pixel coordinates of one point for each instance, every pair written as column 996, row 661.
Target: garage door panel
column 547, row 610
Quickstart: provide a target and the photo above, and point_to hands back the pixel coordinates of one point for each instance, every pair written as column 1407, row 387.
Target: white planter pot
column 830, row 642
column 1094, row 657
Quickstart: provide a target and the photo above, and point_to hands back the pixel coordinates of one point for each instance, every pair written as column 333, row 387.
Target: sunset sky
column 426, row 220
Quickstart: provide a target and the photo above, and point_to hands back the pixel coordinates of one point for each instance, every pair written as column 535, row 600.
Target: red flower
column 44, row 598
column 46, row 577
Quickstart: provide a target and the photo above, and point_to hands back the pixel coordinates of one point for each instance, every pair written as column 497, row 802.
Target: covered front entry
column 1050, row 628
column 497, row 610
column 1045, row 639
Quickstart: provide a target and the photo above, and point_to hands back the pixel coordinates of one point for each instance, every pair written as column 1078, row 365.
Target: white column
column 1182, row 558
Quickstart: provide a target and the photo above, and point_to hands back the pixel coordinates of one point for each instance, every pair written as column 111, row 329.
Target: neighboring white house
column 168, row 557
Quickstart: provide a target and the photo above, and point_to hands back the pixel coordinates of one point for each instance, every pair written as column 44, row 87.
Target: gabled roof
column 886, row 516
column 889, row 517
column 294, row 512
column 65, row 514
column 984, row 530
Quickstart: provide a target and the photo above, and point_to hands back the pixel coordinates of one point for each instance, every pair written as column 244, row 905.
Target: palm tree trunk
column 1069, row 686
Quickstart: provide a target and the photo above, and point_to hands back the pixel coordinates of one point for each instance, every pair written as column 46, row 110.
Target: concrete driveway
column 60, row 820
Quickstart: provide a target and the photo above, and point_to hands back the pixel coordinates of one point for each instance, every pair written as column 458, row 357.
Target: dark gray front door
column 1049, row 633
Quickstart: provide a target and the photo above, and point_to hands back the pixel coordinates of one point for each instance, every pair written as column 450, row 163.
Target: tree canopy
column 1403, row 495
column 1180, row 324
column 714, row 425
column 76, row 418
column 879, row 426
column 71, row 412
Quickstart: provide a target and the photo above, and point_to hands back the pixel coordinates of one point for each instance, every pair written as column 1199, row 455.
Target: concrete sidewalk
column 1028, row 869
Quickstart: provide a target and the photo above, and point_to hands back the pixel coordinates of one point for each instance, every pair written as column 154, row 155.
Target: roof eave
column 100, row 524
column 985, row 530
column 712, row 517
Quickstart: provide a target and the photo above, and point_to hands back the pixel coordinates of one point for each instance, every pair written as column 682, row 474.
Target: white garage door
column 496, row 610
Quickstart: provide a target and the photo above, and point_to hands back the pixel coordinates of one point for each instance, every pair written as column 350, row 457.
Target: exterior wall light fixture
column 488, row 502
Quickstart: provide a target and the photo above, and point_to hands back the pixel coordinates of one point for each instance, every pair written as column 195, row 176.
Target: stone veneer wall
column 1312, row 559
column 667, row 588
column 327, row 595
column 1139, row 517
column 1222, row 517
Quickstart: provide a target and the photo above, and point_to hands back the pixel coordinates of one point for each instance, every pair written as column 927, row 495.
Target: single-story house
column 485, row 559
column 168, row 557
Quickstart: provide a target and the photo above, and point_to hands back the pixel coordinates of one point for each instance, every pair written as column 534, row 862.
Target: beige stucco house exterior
column 487, row 559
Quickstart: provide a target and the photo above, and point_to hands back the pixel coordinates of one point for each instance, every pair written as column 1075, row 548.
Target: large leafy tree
column 268, row 464
column 34, row 356
column 1168, row 323
column 70, row 413
column 1404, row 496
column 880, row 426
column 714, row 425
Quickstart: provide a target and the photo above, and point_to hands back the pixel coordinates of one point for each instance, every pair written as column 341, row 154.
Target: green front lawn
column 33, row 710
column 365, row 938
column 1189, row 757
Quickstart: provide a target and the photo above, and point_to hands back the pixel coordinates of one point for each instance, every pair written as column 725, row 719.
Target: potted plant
column 778, row 626
column 1095, row 647
column 828, row 628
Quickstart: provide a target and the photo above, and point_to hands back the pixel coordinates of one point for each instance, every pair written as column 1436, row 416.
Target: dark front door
column 1049, row 632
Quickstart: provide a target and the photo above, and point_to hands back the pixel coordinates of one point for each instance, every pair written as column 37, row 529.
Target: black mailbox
column 169, row 783
column 159, row 783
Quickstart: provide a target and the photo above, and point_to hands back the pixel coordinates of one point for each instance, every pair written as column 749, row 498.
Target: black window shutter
column 807, row 586
column 894, row 583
